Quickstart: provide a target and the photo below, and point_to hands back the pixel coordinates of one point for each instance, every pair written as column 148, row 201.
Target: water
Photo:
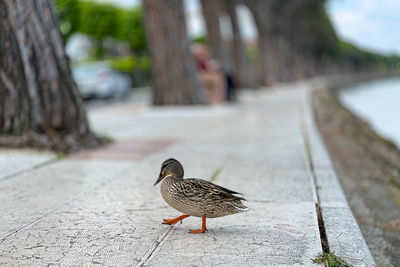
column 378, row 103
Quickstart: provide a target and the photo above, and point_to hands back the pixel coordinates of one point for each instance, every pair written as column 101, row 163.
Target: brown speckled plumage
column 200, row 198
column 196, row 197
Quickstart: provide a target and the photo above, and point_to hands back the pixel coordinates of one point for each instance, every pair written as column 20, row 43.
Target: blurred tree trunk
column 285, row 21
column 211, row 11
column 39, row 101
column 174, row 73
column 242, row 69
column 267, row 41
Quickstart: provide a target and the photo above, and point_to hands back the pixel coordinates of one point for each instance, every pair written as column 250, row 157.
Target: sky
column 370, row 24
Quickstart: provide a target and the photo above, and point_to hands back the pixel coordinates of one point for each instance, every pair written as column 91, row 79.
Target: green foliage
column 144, row 63
column 69, row 13
column 199, row 39
column 307, row 27
column 330, row 260
column 356, row 58
column 131, row 28
column 100, row 20
column 215, row 174
column 123, row 64
column 251, row 53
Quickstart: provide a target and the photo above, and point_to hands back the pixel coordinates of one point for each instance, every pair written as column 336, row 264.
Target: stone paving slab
column 345, row 238
column 28, row 197
column 112, row 223
column 73, row 237
column 342, row 231
column 13, row 161
column 269, row 234
column 86, row 233
column 100, row 208
column 272, row 185
column 134, row 149
column 329, row 189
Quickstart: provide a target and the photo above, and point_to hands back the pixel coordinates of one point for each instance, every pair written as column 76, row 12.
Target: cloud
column 371, row 24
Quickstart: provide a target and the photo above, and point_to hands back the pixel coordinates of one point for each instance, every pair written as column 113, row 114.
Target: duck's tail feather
column 243, row 209
column 240, row 207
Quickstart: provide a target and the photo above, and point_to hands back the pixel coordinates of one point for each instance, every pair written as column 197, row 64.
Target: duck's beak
column 160, row 177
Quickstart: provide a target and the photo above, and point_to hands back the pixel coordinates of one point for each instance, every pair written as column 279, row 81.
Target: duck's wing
column 203, row 185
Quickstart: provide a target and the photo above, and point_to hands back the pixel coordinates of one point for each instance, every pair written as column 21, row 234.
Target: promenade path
column 99, row 208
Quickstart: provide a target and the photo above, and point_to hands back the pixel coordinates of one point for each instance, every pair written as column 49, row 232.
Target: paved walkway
column 100, row 208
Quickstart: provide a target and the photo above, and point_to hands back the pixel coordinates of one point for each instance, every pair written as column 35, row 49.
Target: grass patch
column 330, row 260
column 215, row 174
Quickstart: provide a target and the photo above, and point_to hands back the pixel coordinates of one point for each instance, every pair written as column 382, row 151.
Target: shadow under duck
column 195, row 197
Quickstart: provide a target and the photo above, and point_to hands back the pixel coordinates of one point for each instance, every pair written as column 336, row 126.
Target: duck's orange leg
column 202, row 230
column 175, row 220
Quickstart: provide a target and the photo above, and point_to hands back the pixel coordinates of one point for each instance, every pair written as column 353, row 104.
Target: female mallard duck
column 195, row 197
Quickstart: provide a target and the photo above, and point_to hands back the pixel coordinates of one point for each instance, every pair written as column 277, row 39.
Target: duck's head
column 170, row 167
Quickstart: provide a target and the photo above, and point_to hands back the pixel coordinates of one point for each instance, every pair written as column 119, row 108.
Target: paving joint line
column 32, row 168
column 3, row 238
column 157, row 244
column 307, row 155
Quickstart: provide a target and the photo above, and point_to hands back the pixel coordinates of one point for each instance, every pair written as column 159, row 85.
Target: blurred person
column 210, row 74
column 230, row 87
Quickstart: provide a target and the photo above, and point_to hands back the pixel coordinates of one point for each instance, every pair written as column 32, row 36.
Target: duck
column 195, row 197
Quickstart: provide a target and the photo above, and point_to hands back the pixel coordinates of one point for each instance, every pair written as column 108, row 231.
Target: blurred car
column 100, row 81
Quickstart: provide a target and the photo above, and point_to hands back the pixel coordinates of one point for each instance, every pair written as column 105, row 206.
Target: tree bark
column 267, row 43
column 242, row 70
column 211, row 11
column 175, row 80
column 39, row 101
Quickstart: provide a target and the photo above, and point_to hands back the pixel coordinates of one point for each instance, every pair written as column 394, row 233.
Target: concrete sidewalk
column 100, row 208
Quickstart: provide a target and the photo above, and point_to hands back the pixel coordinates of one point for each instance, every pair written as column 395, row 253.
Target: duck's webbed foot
column 202, row 230
column 175, row 220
